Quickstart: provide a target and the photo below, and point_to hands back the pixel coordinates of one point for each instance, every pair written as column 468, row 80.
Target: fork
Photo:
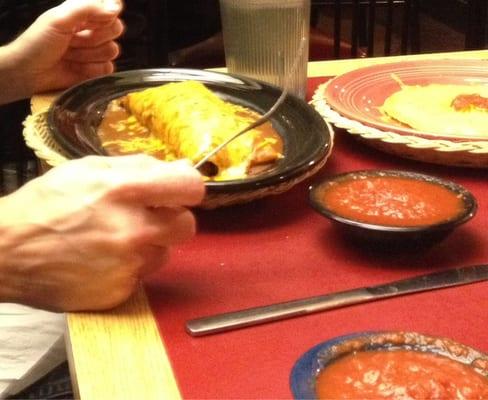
column 265, row 117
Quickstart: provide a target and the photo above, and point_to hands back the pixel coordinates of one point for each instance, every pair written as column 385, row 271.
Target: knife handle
column 259, row 315
column 274, row 312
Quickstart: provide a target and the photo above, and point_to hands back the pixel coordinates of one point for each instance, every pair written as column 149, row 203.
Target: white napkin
column 31, row 345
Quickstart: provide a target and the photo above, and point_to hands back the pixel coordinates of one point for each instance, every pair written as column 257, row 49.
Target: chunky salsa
column 467, row 102
column 392, row 201
column 400, row 374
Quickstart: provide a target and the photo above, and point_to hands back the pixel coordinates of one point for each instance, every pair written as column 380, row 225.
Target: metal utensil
column 274, row 312
column 265, row 117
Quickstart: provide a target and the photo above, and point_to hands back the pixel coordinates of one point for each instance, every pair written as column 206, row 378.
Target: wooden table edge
column 120, row 354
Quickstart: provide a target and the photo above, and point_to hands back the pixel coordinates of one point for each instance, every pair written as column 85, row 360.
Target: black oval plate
column 74, row 117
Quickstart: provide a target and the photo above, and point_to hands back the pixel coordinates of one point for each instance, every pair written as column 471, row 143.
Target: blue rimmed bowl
column 304, row 373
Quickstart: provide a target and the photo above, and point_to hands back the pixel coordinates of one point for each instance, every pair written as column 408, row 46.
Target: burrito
column 189, row 120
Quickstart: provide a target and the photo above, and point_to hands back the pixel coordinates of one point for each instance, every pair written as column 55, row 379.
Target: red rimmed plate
column 351, row 101
column 358, row 94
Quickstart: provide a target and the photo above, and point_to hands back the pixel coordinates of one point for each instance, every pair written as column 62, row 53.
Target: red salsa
column 468, row 102
column 392, row 201
column 400, row 374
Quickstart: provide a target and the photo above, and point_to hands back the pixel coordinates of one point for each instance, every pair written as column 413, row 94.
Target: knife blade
column 263, row 314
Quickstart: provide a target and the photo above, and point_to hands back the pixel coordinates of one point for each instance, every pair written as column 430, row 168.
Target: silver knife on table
column 278, row 311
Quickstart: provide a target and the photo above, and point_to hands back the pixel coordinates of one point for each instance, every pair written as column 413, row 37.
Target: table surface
column 121, row 354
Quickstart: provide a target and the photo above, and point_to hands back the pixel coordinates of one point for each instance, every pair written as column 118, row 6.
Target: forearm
column 10, row 237
column 24, row 245
column 10, row 291
column 13, row 86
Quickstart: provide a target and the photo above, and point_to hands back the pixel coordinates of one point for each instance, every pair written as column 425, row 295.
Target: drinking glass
column 263, row 37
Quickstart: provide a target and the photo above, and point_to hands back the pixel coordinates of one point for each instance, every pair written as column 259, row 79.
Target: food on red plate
column 391, row 200
column 447, row 109
column 400, row 374
column 469, row 102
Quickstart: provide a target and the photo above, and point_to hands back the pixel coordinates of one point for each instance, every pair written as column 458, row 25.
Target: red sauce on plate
column 392, row 201
column 400, row 374
column 468, row 102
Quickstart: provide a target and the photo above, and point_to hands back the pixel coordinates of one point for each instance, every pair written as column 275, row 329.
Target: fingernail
column 112, row 5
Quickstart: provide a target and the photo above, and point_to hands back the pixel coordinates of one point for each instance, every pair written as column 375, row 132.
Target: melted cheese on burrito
column 187, row 120
column 460, row 110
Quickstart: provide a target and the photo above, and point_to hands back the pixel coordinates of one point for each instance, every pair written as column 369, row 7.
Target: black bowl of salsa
column 393, row 206
column 374, row 365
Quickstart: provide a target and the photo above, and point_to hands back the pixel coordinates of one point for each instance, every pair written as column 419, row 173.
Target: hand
column 81, row 236
column 68, row 44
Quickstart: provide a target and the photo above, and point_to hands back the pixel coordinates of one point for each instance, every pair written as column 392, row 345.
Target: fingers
column 140, row 179
column 155, row 183
column 75, row 15
column 175, row 225
column 97, row 37
column 165, row 227
column 91, row 70
column 153, row 258
column 161, row 227
column 105, row 52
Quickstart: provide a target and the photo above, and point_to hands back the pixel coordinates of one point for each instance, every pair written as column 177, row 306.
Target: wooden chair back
column 371, row 27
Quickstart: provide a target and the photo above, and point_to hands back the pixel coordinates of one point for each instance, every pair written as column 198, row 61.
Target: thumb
column 74, row 15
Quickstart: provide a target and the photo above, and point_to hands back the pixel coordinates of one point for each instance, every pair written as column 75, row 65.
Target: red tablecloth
column 278, row 249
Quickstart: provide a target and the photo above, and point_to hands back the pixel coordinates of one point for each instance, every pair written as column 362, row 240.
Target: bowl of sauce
column 390, row 365
column 393, row 206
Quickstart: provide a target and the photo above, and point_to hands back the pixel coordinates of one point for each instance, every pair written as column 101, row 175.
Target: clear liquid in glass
column 263, row 37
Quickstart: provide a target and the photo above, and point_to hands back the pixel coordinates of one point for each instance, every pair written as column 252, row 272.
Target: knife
column 278, row 311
